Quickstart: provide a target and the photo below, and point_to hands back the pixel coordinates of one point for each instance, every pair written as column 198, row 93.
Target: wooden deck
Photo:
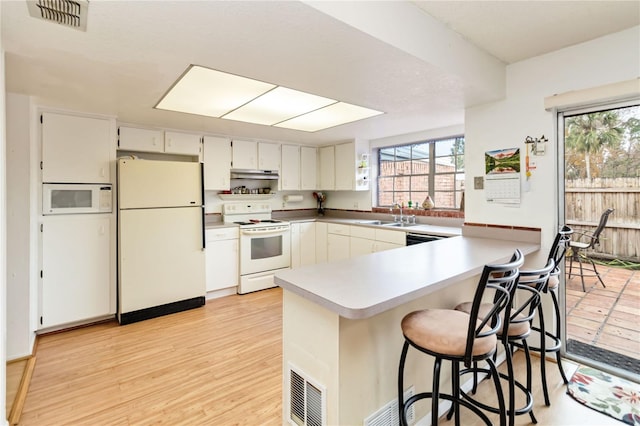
column 606, row 317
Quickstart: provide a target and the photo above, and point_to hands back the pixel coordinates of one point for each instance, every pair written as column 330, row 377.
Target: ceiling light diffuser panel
column 331, row 116
column 212, row 93
column 278, row 105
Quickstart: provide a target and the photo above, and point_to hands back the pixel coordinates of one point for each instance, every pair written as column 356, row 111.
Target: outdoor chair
column 579, row 251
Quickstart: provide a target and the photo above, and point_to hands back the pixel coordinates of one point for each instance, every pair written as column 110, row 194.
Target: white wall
column 3, row 245
column 506, row 124
column 22, row 256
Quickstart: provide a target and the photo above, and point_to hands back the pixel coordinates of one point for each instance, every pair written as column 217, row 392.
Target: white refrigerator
column 161, row 258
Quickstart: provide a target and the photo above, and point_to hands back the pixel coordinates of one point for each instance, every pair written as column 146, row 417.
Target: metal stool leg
column 435, row 391
column 556, row 307
column 401, row 411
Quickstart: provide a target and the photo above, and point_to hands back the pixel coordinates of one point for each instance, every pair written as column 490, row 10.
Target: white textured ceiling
column 375, row 54
column 519, row 29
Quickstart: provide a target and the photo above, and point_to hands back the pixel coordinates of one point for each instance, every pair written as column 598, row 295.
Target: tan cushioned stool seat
column 515, row 328
column 444, row 331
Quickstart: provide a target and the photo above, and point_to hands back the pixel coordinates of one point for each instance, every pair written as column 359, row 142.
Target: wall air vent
column 307, row 401
column 70, row 13
column 388, row 415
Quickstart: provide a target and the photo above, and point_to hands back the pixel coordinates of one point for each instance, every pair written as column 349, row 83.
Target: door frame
column 559, row 114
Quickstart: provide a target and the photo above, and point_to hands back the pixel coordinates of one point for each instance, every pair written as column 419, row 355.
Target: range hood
column 254, row 174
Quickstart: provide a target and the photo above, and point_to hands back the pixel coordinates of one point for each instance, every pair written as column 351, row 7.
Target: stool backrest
column 560, row 245
column 524, row 306
column 501, row 279
column 559, row 249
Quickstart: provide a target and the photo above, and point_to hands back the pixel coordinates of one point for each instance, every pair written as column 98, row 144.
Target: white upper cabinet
column 217, row 163
column 290, row 168
column 142, row 140
column 181, row 143
column 268, row 156
column 245, row 154
column 154, row 140
column 252, row 155
column 308, row 168
column 350, row 174
column 327, row 168
column 345, row 166
column 77, row 149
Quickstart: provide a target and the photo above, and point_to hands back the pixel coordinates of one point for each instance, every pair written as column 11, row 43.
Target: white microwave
column 76, row 198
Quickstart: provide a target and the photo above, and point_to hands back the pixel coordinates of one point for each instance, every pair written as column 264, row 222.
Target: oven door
column 264, row 249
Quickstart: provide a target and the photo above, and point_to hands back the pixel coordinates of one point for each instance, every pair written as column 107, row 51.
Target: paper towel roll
column 293, row 198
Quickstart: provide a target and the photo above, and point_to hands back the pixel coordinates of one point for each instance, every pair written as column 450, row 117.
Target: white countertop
column 368, row 285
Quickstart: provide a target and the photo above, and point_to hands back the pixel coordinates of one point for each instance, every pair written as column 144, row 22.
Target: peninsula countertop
column 367, row 285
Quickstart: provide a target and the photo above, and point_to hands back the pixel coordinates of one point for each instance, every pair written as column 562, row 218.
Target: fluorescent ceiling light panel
column 213, row 93
column 330, row 116
column 278, row 105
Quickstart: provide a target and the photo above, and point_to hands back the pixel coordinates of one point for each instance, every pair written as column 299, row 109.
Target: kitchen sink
column 383, row 223
column 398, row 224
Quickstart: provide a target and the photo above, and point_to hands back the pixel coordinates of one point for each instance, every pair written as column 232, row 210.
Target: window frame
column 457, row 193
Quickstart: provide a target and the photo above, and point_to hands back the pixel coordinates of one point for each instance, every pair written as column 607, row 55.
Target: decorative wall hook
column 538, row 145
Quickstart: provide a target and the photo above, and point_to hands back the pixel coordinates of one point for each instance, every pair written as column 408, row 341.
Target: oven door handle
column 264, row 231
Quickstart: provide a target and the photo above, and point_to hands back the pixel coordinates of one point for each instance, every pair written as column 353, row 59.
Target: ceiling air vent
column 71, row 13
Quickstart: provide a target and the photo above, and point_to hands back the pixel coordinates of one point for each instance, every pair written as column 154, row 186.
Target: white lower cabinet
column 321, row 242
column 387, row 239
column 222, row 258
column 338, row 246
column 303, row 244
column 77, row 279
column 363, row 241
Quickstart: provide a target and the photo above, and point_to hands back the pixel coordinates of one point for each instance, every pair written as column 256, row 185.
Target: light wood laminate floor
column 216, row 365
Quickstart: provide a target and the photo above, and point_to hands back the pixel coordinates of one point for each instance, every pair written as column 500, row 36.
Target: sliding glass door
column 599, row 159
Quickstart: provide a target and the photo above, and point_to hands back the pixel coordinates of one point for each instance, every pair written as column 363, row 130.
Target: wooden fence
column 587, row 199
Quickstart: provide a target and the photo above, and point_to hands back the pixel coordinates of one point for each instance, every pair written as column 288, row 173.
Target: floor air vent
column 70, row 13
column 388, row 415
column 307, row 400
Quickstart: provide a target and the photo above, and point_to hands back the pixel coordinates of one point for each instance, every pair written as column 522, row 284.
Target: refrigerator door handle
column 204, row 238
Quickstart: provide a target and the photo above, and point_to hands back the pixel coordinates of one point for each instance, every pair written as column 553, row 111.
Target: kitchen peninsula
column 341, row 321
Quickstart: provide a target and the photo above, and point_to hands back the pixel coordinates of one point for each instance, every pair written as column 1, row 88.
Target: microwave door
column 76, row 199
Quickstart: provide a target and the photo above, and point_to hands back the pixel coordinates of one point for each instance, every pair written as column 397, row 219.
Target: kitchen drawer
column 363, row 232
column 389, row 236
column 217, row 234
column 340, row 229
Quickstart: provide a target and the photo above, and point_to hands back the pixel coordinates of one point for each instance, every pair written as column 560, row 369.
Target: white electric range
column 265, row 244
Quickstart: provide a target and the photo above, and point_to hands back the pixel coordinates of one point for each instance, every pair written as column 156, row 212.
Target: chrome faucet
column 400, row 207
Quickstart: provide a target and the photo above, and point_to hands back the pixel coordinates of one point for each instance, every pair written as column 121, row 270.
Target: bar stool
column 447, row 334
column 556, row 253
column 525, row 300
